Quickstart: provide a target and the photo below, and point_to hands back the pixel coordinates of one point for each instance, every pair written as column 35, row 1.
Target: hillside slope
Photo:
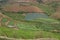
column 12, row 26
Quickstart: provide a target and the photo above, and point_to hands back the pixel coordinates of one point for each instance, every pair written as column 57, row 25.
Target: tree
column 3, row 1
column 39, row 1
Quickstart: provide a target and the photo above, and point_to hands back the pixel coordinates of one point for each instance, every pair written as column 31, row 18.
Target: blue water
column 31, row 16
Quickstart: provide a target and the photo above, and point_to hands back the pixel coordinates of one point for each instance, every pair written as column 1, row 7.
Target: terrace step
column 8, row 20
column 3, row 37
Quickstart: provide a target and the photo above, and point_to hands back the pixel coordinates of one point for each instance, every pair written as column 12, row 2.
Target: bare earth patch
column 3, row 37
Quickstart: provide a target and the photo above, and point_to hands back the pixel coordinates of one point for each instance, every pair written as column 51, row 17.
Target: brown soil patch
column 17, row 8
column 56, row 15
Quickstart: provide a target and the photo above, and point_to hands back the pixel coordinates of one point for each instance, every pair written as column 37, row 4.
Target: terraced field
column 13, row 25
column 38, row 28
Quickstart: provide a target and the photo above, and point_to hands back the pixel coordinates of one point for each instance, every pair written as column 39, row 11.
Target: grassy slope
column 26, row 33
column 29, row 33
column 16, row 16
column 31, row 30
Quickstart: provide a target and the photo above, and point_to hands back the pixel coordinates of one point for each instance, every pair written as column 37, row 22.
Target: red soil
column 17, row 8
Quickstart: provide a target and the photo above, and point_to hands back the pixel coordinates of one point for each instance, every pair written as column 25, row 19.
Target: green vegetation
column 22, row 33
column 11, row 23
column 54, row 5
column 4, row 20
column 37, row 28
column 48, row 24
column 49, row 8
column 46, row 8
column 16, row 16
column 32, row 28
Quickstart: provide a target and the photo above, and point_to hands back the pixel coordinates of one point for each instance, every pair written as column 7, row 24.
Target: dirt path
column 3, row 37
column 8, row 19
